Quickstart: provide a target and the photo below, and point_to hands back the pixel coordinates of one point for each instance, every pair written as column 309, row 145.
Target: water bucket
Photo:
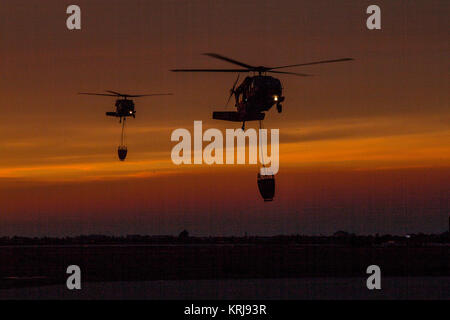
column 122, row 152
column 266, row 186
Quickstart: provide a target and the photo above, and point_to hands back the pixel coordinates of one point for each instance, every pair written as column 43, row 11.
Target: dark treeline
column 339, row 238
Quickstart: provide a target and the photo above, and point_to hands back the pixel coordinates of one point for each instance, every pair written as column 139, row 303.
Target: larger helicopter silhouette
column 124, row 108
column 257, row 93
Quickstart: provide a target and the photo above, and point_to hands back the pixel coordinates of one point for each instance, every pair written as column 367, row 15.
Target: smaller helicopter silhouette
column 124, row 109
column 258, row 93
column 124, row 106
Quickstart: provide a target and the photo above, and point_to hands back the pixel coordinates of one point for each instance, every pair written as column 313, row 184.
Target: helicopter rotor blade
column 293, row 73
column 311, row 63
column 115, row 92
column 97, row 94
column 148, row 95
column 220, row 57
column 209, row 70
column 232, row 89
column 259, row 69
column 229, row 98
column 235, row 82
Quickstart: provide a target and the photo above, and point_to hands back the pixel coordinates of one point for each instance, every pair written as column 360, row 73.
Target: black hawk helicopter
column 257, row 93
column 124, row 109
column 124, row 106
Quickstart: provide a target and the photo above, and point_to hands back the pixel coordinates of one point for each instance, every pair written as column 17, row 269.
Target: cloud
column 361, row 128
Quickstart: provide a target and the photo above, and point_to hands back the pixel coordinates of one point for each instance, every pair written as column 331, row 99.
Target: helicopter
column 124, row 108
column 257, row 93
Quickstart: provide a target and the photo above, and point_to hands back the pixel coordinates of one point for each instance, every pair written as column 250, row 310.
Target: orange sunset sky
column 364, row 145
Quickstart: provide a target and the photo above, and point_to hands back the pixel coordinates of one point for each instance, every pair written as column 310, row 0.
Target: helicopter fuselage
column 124, row 108
column 255, row 95
column 258, row 94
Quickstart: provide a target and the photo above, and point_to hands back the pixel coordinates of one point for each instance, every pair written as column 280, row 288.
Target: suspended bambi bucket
column 122, row 152
column 266, row 186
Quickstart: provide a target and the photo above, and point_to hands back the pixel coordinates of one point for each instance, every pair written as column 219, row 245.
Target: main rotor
column 123, row 95
column 258, row 69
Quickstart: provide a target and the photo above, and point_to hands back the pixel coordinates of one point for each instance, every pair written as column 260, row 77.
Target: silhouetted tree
column 183, row 234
